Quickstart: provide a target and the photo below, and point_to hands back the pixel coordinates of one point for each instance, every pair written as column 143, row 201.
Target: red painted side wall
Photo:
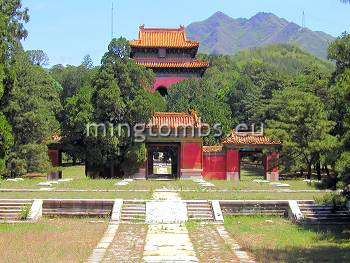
column 214, row 166
column 191, row 155
column 232, row 161
column 166, row 82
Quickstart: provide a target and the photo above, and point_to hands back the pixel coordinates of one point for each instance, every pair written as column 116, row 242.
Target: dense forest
column 303, row 102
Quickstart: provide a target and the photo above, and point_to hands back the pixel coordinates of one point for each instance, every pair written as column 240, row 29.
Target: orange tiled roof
column 173, row 119
column 249, row 139
column 212, row 149
column 163, row 37
column 56, row 137
column 190, row 64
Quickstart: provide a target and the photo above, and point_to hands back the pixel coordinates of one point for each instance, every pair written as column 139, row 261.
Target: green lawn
column 203, row 195
column 248, row 174
column 80, row 181
column 274, row 239
column 76, row 195
column 50, row 240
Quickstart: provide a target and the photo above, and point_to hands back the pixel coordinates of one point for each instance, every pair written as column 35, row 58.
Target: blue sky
column 69, row 29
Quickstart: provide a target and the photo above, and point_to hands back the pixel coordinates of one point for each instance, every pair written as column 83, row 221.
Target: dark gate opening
column 163, row 161
column 163, row 91
column 252, row 162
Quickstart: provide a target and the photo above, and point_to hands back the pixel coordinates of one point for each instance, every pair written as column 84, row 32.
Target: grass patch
column 81, row 182
column 274, row 239
column 76, row 195
column 55, row 240
column 248, row 174
column 249, row 196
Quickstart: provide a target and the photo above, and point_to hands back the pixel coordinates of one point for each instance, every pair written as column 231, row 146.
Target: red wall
column 166, row 82
column 232, row 161
column 191, row 155
column 214, row 166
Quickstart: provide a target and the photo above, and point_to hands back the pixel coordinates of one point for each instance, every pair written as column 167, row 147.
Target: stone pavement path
column 173, row 241
column 210, row 246
column 168, row 242
column 128, row 244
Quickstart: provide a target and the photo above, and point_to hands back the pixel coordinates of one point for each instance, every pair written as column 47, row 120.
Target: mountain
column 289, row 59
column 221, row 34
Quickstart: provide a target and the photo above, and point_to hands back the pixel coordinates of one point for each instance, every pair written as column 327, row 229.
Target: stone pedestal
column 54, row 176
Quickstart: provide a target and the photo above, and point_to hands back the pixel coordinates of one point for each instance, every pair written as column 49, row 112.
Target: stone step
column 9, row 211
column 9, row 216
column 201, row 218
column 198, row 208
column 306, row 202
column 11, row 207
column 77, row 210
column 208, row 215
column 329, row 222
column 340, row 218
column 14, row 204
column 133, row 211
column 132, row 214
column 321, row 206
column 200, row 215
column 199, row 211
column 133, row 218
column 134, row 207
column 198, row 205
column 79, row 214
column 325, row 213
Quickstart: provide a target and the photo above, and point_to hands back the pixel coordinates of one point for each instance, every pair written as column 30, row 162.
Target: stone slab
column 166, row 212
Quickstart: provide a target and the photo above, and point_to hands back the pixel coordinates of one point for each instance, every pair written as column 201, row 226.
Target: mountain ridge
column 222, row 34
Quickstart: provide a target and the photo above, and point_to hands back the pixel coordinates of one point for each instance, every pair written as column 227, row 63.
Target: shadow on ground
column 334, row 246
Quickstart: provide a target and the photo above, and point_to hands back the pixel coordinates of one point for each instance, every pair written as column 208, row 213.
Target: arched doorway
column 252, row 165
column 163, row 161
column 163, row 91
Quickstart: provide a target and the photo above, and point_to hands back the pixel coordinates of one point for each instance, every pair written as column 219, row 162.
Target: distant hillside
column 288, row 58
column 221, row 34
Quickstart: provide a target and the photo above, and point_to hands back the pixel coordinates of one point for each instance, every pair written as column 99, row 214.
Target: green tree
column 12, row 18
column 339, row 51
column 200, row 96
column 250, row 94
column 340, row 90
column 302, row 124
column 38, row 57
column 32, row 107
column 120, row 96
column 87, row 62
column 73, row 78
column 6, row 141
